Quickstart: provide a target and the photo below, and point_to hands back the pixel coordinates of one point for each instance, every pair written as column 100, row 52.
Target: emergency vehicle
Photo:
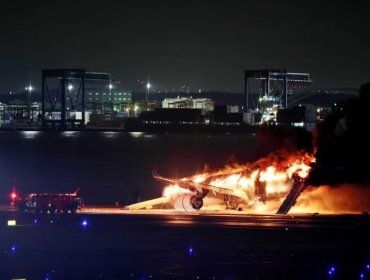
column 51, row 202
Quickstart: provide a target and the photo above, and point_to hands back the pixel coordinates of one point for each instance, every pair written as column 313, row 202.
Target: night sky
column 205, row 44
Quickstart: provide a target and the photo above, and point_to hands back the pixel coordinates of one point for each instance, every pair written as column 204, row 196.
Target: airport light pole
column 148, row 85
column 29, row 101
column 110, row 95
column 69, row 97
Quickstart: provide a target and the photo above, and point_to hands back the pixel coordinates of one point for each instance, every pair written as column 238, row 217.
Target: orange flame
column 264, row 184
column 172, row 190
column 267, row 179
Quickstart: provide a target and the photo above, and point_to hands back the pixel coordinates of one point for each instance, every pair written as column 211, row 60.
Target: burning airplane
column 273, row 184
column 276, row 179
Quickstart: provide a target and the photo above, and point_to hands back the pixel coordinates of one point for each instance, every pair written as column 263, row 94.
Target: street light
column 29, row 89
column 110, row 89
column 111, row 106
column 148, row 85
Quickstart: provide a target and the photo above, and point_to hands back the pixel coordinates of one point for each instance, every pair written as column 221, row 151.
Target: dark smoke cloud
column 288, row 138
column 343, row 143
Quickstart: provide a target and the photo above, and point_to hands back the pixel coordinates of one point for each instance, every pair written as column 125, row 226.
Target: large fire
column 263, row 185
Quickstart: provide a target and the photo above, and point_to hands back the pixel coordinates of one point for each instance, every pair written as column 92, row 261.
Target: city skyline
column 204, row 44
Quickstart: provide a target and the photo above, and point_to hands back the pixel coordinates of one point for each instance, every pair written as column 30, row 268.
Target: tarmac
column 114, row 243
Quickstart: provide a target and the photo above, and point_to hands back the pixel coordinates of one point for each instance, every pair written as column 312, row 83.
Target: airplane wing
column 191, row 185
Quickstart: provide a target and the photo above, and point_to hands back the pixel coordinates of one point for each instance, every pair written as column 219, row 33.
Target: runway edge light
column 12, row 223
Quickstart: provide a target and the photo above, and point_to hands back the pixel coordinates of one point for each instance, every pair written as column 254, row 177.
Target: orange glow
column 261, row 185
column 172, row 190
column 334, row 199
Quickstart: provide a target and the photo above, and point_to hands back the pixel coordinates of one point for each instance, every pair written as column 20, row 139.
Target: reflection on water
column 136, row 134
column 30, row 134
column 110, row 134
column 149, row 136
column 70, row 133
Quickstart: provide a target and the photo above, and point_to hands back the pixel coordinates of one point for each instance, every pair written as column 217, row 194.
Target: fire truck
column 51, row 202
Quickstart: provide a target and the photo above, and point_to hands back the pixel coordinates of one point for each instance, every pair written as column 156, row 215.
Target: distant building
column 188, row 103
column 107, row 98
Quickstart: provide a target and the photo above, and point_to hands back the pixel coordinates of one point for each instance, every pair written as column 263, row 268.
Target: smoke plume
column 342, row 143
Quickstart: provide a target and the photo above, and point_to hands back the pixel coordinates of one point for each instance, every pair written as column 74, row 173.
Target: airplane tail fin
column 155, row 170
column 76, row 191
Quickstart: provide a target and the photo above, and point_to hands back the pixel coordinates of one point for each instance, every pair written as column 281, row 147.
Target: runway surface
column 112, row 243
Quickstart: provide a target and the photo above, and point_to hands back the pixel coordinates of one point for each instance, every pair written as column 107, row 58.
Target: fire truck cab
column 51, row 202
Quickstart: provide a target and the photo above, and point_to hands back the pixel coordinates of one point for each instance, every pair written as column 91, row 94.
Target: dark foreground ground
column 173, row 246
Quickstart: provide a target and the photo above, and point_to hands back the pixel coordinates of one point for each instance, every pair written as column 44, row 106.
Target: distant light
column 13, row 248
column 84, row 223
column 110, row 86
column 70, row 87
column 331, row 271
column 190, row 250
column 148, row 85
column 362, row 276
column 13, row 195
column 368, row 266
column 12, row 223
column 35, row 221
